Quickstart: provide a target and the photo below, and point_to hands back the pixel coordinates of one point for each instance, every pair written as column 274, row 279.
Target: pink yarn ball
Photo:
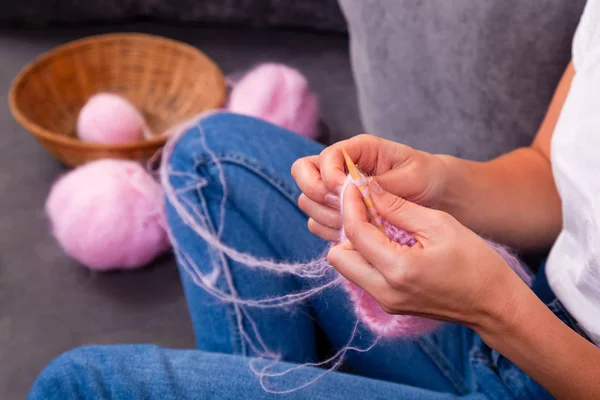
column 278, row 94
column 109, row 214
column 109, row 118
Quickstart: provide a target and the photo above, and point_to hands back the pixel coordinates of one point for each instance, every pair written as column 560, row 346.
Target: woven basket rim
column 67, row 141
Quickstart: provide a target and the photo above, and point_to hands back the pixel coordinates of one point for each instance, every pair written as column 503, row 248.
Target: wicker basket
column 167, row 80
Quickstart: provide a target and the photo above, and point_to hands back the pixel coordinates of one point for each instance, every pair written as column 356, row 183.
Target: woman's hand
column 414, row 175
column 451, row 274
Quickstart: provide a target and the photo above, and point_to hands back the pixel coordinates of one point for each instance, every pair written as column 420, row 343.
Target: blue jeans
column 262, row 218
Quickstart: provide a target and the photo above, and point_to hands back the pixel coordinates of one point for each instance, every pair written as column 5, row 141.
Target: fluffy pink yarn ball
column 278, row 94
column 109, row 214
column 109, row 118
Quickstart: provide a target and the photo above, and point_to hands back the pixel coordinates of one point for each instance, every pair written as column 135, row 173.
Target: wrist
column 456, row 171
column 506, row 304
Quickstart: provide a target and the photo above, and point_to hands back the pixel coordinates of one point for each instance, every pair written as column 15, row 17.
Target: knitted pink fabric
column 365, row 306
column 369, row 311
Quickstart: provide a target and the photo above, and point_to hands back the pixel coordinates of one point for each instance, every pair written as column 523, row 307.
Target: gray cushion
column 470, row 78
column 323, row 14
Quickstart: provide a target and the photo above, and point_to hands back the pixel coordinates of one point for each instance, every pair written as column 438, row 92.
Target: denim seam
column 443, row 364
column 253, row 166
column 232, row 313
column 479, row 360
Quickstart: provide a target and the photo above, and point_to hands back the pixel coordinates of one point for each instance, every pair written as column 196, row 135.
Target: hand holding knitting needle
column 451, row 273
column 417, row 176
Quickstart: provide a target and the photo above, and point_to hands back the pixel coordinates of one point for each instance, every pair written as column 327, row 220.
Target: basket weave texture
column 168, row 81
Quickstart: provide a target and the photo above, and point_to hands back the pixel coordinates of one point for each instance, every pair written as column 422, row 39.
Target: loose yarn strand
column 222, row 180
column 366, row 308
column 335, row 361
column 312, row 269
column 315, row 269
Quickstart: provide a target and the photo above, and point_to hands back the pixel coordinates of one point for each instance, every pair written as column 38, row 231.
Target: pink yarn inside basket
column 110, row 118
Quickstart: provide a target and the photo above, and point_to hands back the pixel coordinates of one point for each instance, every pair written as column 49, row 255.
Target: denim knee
column 232, row 136
column 215, row 135
column 227, row 139
column 66, row 376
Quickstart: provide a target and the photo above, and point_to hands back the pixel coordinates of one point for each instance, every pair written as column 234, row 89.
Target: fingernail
column 332, row 200
column 374, row 187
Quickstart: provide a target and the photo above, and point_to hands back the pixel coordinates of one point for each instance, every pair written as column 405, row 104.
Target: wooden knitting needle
column 374, row 217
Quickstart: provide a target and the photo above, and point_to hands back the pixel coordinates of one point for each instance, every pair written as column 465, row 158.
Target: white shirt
column 573, row 267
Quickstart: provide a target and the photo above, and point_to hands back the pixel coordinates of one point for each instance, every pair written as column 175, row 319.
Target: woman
column 504, row 340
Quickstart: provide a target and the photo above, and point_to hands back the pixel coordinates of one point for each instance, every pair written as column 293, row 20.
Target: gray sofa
column 315, row 14
column 461, row 77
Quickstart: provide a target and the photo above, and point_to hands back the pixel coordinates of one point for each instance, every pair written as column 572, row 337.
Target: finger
column 324, row 215
column 333, row 168
column 395, row 262
column 368, row 240
column 402, row 213
column 348, row 262
column 405, row 180
column 329, row 234
column 362, row 149
column 308, row 177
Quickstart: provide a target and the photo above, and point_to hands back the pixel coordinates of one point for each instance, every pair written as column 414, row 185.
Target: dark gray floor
column 48, row 303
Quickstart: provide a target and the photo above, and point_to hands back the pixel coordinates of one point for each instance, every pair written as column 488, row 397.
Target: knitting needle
column 361, row 183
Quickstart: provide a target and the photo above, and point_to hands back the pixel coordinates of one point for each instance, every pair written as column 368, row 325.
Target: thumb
column 400, row 212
